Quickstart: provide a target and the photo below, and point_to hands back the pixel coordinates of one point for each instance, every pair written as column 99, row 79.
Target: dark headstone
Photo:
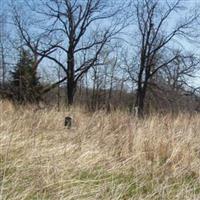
column 68, row 122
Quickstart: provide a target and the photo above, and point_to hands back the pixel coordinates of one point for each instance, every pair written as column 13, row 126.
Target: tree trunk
column 140, row 100
column 71, row 88
column 71, row 83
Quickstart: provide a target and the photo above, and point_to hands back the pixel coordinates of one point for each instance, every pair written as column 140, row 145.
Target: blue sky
column 190, row 46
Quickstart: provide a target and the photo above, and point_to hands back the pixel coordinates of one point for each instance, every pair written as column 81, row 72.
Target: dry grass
column 103, row 156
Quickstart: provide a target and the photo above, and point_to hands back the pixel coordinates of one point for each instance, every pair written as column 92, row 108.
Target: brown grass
column 104, row 156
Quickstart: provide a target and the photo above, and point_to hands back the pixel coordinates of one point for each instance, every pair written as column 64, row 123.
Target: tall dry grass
column 104, row 156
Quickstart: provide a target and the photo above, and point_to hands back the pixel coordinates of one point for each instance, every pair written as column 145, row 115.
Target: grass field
column 103, row 156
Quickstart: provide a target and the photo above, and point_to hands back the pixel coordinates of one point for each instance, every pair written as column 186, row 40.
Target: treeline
column 133, row 55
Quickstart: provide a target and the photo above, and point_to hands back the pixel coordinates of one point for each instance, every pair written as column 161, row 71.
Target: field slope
column 103, row 156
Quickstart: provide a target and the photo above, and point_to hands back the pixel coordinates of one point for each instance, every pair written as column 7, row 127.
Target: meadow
column 104, row 156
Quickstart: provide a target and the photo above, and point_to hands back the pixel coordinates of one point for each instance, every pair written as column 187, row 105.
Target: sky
column 193, row 46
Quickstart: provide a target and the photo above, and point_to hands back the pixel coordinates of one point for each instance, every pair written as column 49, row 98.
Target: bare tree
column 113, row 68
column 36, row 43
column 181, row 71
column 3, row 41
column 80, row 25
column 155, row 39
column 32, row 37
